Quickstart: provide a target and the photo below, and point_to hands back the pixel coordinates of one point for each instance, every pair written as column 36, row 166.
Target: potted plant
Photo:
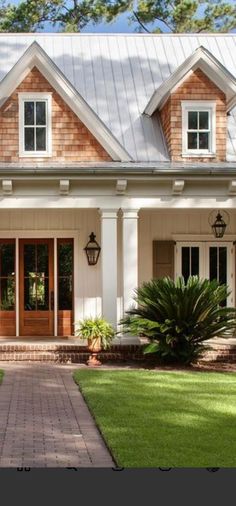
column 99, row 334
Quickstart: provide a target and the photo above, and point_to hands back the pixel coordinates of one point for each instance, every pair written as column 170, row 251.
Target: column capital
column 108, row 213
column 130, row 213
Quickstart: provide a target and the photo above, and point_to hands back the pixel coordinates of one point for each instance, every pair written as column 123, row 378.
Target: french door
column 210, row 260
column 36, row 282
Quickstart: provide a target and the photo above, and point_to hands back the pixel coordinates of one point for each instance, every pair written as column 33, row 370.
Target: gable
column 71, row 139
column 197, row 87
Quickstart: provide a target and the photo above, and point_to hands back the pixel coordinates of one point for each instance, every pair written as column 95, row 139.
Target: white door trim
column 204, row 261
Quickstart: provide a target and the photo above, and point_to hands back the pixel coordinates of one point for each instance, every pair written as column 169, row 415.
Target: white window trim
column 199, row 105
column 23, row 97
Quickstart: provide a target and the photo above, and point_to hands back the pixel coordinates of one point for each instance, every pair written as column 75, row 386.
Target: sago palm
column 178, row 317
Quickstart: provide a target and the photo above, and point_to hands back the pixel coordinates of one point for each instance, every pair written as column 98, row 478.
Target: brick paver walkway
column 44, row 421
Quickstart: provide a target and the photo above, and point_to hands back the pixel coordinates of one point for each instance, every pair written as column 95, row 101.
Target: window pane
column 40, row 139
column 42, row 294
column 7, row 259
column 29, row 113
column 192, row 140
column 30, row 293
column 7, row 302
column 29, row 259
column 65, row 259
column 213, row 262
column 203, row 120
column 195, row 261
column 42, row 259
column 192, row 120
column 40, row 113
column 223, row 265
column 185, row 262
column 65, row 293
column 29, row 139
column 203, row 140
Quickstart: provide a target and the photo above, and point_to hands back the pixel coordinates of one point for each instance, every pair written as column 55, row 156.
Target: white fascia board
column 35, row 56
column 204, row 60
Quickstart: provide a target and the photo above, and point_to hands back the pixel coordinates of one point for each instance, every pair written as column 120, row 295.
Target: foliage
column 186, row 16
column 95, row 329
column 178, row 16
column 164, row 418
column 179, row 317
column 1, row 375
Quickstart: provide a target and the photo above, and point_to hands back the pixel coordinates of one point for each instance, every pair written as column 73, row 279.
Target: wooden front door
column 36, row 287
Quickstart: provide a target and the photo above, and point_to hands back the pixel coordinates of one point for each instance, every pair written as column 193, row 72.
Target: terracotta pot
column 94, row 345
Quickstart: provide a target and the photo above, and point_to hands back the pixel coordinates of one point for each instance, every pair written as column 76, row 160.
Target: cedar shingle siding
column 71, row 140
column 197, row 87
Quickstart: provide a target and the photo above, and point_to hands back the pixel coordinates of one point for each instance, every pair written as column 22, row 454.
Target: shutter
column 163, row 259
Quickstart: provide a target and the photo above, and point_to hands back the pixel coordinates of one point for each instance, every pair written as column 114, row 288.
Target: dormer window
column 198, row 128
column 35, row 124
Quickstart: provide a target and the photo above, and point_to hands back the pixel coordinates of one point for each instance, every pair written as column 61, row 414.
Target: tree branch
column 140, row 22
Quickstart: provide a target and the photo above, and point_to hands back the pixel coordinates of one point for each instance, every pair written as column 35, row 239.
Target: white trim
column 203, row 59
column 204, row 247
column 32, row 96
column 198, row 106
column 35, row 56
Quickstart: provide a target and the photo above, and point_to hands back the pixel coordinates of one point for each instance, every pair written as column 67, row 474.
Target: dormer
column 192, row 106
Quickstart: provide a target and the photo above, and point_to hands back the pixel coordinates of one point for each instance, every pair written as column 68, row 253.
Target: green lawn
column 1, row 376
column 164, row 419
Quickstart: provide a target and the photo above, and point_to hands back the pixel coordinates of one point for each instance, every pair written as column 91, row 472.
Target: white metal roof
column 118, row 73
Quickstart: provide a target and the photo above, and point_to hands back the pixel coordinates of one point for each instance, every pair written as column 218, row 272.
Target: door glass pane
column 7, row 262
column 222, row 265
column 40, row 113
column 42, row 294
column 203, row 120
column 30, row 259
column 194, row 261
column 30, row 293
column 42, row 259
column 213, row 262
column 29, row 113
column 186, row 263
column 7, row 288
column 192, row 140
column 40, row 139
column 65, row 257
column 65, row 293
column 29, row 139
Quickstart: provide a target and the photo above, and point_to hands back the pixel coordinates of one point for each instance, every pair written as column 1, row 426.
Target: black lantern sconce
column 218, row 223
column 92, row 250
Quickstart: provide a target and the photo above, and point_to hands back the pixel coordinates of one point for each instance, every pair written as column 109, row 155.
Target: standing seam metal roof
column 118, row 73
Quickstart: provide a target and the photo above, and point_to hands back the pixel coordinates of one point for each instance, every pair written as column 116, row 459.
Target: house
column 129, row 138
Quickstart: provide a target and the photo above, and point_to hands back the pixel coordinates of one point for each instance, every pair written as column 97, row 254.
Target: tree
column 32, row 15
column 162, row 15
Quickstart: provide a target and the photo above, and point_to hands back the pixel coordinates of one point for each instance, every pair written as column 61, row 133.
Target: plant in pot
column 99, row 334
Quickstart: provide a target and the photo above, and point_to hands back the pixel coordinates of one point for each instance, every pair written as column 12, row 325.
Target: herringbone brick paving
column 44, row 421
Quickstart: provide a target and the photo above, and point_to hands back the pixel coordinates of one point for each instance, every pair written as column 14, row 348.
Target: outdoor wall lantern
column 92, row 250
column 218, row 224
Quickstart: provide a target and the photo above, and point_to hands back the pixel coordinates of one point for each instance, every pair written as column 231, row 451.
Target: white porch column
column 130, row 256
column 109, row 264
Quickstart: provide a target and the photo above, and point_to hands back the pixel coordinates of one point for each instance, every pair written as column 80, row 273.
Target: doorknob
column 52, row 300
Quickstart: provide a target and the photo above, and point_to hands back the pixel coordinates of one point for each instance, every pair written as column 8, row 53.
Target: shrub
column 95, row 329
column 178, row 317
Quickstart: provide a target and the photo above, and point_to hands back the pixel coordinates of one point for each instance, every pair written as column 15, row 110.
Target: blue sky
column 120, row 25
